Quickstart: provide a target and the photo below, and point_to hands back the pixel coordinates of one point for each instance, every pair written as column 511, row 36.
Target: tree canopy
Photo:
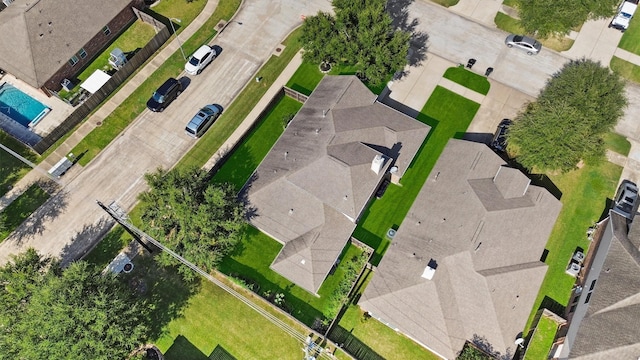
column 361, row 34
column 199, row 220
column 549, row 17
column 75, row 313
column 566, row 124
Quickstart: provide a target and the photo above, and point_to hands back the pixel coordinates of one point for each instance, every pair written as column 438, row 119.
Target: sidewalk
column 105, row 110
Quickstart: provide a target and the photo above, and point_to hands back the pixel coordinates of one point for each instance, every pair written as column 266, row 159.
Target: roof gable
column 482, row 254
column 319, row 173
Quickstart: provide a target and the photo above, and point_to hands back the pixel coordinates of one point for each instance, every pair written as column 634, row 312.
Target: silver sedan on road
column 525, row 43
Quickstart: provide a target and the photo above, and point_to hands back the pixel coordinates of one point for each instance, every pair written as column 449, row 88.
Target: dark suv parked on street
column 165, row 94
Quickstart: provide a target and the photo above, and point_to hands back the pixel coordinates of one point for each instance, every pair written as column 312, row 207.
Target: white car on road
column 199, row 60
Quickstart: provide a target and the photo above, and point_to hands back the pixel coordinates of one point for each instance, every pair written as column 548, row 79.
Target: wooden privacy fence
column 91, row 103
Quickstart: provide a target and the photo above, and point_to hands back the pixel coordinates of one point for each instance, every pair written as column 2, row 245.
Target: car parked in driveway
column 525, row 43
column 199, row 60
column 624, row 14
column 203, row 120
column 499, row 141
column 626, row 201
column 165, row 94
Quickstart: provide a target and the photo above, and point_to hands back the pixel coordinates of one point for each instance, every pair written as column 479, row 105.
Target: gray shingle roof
column 611, row 325
column 485, row 228
column 39, row 36
column 311, row 188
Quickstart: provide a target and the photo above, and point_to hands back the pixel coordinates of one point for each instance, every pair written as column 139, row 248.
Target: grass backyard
column 469, row 79
column 122, row 116
column 132, row 39
column 584, row 199
column 21, row 208
column 382, row 339
column 12, row 169
column 542, row 339
column 449, row 115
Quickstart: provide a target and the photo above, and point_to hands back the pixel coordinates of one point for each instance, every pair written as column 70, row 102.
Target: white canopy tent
column 95, row 81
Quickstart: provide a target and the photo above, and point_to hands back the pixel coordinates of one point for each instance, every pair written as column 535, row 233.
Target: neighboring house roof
column 483, row 227
column 40, row 36
column 311, row 188
column 610, row 327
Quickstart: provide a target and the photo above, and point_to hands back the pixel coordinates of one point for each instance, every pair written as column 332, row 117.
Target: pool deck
column 60, row 110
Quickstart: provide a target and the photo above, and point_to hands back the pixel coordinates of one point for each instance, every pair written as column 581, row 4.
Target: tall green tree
column 361, row 34
column 199, row 220
column 549, row 17
column 566, row 124
column 75, row 313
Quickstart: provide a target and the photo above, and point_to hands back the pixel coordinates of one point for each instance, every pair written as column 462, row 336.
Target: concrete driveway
column 457, row 39
column 71, row 223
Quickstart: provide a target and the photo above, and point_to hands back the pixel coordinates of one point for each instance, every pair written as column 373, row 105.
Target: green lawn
column 134, row 38
column 508, row 24
column 308, row 75
column 252, row 259
column 12, row 169
column 617, row 143
column 631, row 38
column 189, row 321
column 122, row 116
column 511, row 25
column 449, row 115
column 625, row 69
column 381, row 338
column 468, row 79
column 542, row 340
column 21, row 208
column 246, row 158
column 584, row 199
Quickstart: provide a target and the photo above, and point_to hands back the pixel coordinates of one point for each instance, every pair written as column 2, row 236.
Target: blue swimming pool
column 20, row 107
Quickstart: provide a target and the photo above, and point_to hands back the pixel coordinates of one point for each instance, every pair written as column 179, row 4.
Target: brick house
column 54, row 39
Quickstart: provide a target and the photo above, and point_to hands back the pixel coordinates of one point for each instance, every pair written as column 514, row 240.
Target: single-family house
column 310, row 190
column 604, row 310
column 465, row 264
column 46, row 41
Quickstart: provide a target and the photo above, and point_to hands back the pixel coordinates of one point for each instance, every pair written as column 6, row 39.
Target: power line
column 310, row 350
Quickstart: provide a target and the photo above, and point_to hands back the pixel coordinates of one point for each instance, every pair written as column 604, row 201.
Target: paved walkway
column 105, row 110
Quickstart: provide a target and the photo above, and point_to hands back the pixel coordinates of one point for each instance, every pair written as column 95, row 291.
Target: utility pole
column 313, row 349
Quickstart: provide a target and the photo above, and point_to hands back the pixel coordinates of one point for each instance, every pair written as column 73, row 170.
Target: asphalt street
column 71, row 223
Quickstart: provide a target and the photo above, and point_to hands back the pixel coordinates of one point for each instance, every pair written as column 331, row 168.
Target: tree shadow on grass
column 183, row 349
column 301, row 309
column 163, row 287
